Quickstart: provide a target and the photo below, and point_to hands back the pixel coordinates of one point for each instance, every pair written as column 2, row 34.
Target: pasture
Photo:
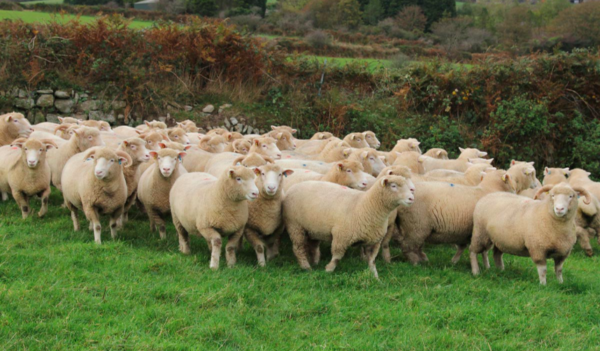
column 43, row 17
column 59, row 290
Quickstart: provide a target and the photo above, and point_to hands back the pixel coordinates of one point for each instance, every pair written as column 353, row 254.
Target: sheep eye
column 264, row 145
column 372, row 159
column 25, row 149
column 349, row 171
column 262, row 174
column 149, row 142
column 280, row 174
column 16, row 121
column 570, row 197
column 42, row 150
column 112, row 160
column 132, row 147
column 89, row 138
column 176, row 137
column 238, row 179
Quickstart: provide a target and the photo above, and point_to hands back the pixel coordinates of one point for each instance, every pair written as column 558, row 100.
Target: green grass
column 42, row 2
column 459, row 5
column 43, row 17
column 60, row 291
column 372, row 64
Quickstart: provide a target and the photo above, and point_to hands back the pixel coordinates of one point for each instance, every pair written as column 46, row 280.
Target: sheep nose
column 278, row 155
column 412, row 190
column 411, row 199
column 363, row 183
column 272, row 188
column 560, row 209
column 254, row 194
column 167, row 169
column 99, row 172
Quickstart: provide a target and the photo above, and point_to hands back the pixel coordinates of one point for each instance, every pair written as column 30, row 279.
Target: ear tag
column 89, row 158
column 549, row 172
column 238, row 164
column 285, row 175
column 320, row 163
column 119, row 161
column 179, row 158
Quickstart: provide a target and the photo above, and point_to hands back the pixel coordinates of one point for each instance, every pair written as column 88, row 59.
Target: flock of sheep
column 226, row 185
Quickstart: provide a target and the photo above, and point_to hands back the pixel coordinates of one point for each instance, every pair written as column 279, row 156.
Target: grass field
column 372, row 64
column 60, row 291
column 43, row 17
column 42, row 2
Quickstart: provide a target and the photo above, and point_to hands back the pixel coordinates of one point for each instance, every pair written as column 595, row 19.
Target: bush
column 201, row 7
column 458, row 34
column 250, row 23
column 400, row 61
column 411, row 18
column 318, row 39
column 580, row 23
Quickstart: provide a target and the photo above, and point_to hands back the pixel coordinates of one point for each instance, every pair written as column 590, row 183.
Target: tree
column 580, row 23
column 201, row 7
column 517, row 27
column 373, row 12
column 411, row 18
column 348, row 13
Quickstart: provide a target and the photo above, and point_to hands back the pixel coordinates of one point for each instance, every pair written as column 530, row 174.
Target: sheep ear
column 181, row 154
column 352, row 137
column 439, row 152
column 153, row 154
column 482, row 153
column 187, row 147
column 589, row 173
column 238, row 160
column 287, row 172
column 567, row 171
column 273, row 127
column 364, row 154
column 229, row 136
column 125, row 142
column 461, row 149
column 382, row 158
column 490, row 161
column 268, row 159
column 531, row 163
column 231, row 173
column 141, row 133
column 256, row 142
column 162, row 145
column 417, row 143
column 347, row 152
column 384, row 182
column 505, row 177
column 9, row 118
column 513, row 162
column 482, row 175
column 421, row 159
column 256, row 170
column 19, row 142
column 90, row 154
column 278, row 136
column 547, row 171
column 147, row 123
column 124, row 157
column 294, row 131
column 340, row 166
column 61, row 119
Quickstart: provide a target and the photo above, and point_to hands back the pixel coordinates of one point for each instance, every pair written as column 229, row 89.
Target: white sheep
column 437, row 153
column 356, row 140
column 404, row 145
column 320, row 211
column 222, row 211
column 346, row 173
column 93, row 182
column 13, row 126
column 524, row 227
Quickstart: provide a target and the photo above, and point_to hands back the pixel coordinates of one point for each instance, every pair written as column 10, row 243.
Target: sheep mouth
column 251, row 197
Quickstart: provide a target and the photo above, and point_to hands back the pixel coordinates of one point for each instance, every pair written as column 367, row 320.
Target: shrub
column 318, row 39
column 373, row 12
column 399, row 61
column 201, row 7
column 457, row 35
column 411, row 18
column 580, row 23
column 248, row 22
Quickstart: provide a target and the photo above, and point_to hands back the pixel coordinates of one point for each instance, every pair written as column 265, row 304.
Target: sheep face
column 408, row 145
column 213, row 143
column 440, row 154
column 241, row 183
column 371, row 139
column 17, row 125
column 471, row 153
column 87, row 137
column 242, row 146
column 136, row 148
column 285, row 140
column 374, row 160
column 189, row 126
column 155, row 125
column 33, row 151
column 179, row 135
column 107, row 163
column 563, row 202
column 266, row 146
column 351, row 174
column 284, row 128
column 523, row 176
column 269, row 178
column 166, row 160
column 356, row 140
column 152, row 140
column 396, row 191
column 322, row 136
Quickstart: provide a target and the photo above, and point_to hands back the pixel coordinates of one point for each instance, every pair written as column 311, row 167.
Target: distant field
column 42, row 2
column 33, row 17
column 373, row 64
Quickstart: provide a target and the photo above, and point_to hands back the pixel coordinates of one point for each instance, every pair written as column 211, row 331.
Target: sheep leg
column 474, row 263
column 23, row 202
column 373, row 251
column 299, row 243
column 422, row 256
column 558, row 268
column 541, row 268
column 232, row 246
column 486, row 259
column 4, row 196
column 314, row 251
column 45, row 195
column 459, row 251
column 216, row 243
column 156, row 220
column 258, row 245
column 74, row 216
column 337, row 252
column 584, row 241
column 114, row 219
column 498, row 261
column 124, row 218
column 183, row 235
column 273, row 248
column 385, row 244
column 94, row 218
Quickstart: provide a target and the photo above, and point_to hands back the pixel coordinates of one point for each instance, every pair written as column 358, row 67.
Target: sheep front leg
column 338, row 250
column 257, row 244
column 74, row 216
column 215, row 240
column 385, row 244
column 558, row 268
column 114, row 219
column 23, row 202
column 273, row 247
column 94, row 218
column 232, row 245
column 372, row 253
column 156, row 220
column 45, row 195
column 584, row 241
column 183, row 235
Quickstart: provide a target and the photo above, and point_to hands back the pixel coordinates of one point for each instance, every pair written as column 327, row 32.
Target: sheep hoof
column 589, row 252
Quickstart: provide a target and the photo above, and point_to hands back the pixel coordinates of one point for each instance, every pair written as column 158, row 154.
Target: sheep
column 173, row 145
column 178, row 135
column 217, row 131
column 460, row 165
column 471, row 177
column 152, row 139
column 470, row 153
column 370, row 160
column 404, row 145
column 409, row 159
column 437, row 153
column 136, row 149
column 581, row 178
column 315, row 144
column 371, row 139
column 69, row 120
column 356, row 140
column 266, row 146
column 240, row 146
column 285, row 140
column 126, row 131
column 222, row 211
column 189, row 126
column 265, row 225
column 219, row 163
column 63, row 131
column 212, row 143
column 587, row 219
column 82, row 139
column 523, row 175
column 524, row 227
column 155, row 185
column 335, row 151
column 315, row 166
column 443, row 214
column 320, row 211
column 102, row 126
column 346, row 173
column 231, row 136
column 13, row 126
column 38, row 134
column 24, row 172
column 148, row 125
column 93, row 182
column 195, row 138
column 284, row 129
